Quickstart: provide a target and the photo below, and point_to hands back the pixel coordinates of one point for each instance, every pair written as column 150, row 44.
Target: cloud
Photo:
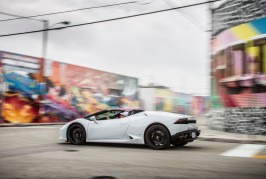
column 165, row 47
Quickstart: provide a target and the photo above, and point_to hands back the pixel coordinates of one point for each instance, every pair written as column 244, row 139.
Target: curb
column 31, row 124
column 231, row 140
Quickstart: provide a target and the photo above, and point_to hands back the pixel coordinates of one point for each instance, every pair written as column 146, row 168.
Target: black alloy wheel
column 157, row 137
column 76, row 134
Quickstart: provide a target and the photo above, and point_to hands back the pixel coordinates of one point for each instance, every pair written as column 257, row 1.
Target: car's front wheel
column 157, row 137
column 76, row 134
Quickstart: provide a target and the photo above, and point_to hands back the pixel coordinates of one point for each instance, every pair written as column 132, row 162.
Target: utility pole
column 43, row 62
column 42, row 65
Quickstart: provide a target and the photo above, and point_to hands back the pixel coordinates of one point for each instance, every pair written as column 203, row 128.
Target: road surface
column 35, row 152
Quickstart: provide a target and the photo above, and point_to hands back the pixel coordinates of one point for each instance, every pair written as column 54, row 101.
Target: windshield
column 108, row 115
column 112, row 114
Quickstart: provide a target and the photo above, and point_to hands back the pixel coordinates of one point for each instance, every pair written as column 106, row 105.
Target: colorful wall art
column 62, row 93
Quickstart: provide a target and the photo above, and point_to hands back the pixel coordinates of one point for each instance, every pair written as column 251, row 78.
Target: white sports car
column 155, row 129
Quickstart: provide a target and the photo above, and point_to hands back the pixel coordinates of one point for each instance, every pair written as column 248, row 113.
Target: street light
column 43, row 64
column 45, row 34
column 46, row 28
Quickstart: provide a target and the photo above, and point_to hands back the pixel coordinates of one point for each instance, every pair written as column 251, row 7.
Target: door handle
column 125, row 123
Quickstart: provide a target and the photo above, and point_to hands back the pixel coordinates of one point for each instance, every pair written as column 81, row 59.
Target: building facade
column 158, row 98
column 238, row 60
column 238, row 67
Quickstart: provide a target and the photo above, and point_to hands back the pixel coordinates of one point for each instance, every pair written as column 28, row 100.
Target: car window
column 95, row 114
column 108, row 115
column 135, row 111
column 103, row 116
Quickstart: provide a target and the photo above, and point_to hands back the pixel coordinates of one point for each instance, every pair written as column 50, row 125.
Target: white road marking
column 244, row 150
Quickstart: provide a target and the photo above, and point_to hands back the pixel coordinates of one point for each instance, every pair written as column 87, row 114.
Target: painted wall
column 183, row 103
column 20, row 102
column 166, row 100
column 147, row 98
column 238, row 66
column 70, row 91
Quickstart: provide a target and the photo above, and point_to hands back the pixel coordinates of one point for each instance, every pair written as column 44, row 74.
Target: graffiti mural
column 65, row 92
column 167, row 100
column 75, row 91
column 19, row 102
column 238, row 66
column 164, row 99
column 183, row 103
column 200, row 104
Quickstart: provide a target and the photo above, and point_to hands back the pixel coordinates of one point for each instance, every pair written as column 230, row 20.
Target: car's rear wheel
column 157, row 137
column 76, row 134
column 179, row 143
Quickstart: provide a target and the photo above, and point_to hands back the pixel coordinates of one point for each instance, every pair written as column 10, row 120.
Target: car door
column 108, row 129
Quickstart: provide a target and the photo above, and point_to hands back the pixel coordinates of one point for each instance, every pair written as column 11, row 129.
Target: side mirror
column 93, row 118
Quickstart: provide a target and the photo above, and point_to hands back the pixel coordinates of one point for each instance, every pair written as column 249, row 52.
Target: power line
column 61, row 12
column 188, row 16
column 114, row 19
column 19, row 17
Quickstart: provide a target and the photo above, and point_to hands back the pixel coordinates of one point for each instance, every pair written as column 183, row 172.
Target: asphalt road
column 35, row 152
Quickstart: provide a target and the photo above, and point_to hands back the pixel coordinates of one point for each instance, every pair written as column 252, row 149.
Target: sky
column 169, row 48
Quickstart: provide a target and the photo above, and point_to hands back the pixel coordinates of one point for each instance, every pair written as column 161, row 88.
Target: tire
column 76, row 134
column 157, row 137
column 179, row 143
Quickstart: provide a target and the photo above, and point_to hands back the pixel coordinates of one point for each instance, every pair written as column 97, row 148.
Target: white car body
column 131, row 129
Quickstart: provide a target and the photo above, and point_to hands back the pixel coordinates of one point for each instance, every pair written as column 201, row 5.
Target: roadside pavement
column 206, row 133
column 30, row 124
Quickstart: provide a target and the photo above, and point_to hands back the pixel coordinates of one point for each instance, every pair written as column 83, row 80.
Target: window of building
column 229, row 63
column 264, row 58
column 253, row 59
column 261, row 54
column 238, row 60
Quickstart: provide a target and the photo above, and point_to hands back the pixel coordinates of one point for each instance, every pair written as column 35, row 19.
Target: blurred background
column 64, row 59
column 71, row 59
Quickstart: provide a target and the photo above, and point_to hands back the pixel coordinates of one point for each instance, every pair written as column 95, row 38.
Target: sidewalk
column 220, row 136
column 30, row 124
column 206, row 133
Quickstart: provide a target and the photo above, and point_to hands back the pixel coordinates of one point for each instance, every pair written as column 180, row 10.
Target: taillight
column 182, row 121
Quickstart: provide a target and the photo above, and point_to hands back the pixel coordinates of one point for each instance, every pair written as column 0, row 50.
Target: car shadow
column 186, row 148
column 134, row 146
column 117, row 145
